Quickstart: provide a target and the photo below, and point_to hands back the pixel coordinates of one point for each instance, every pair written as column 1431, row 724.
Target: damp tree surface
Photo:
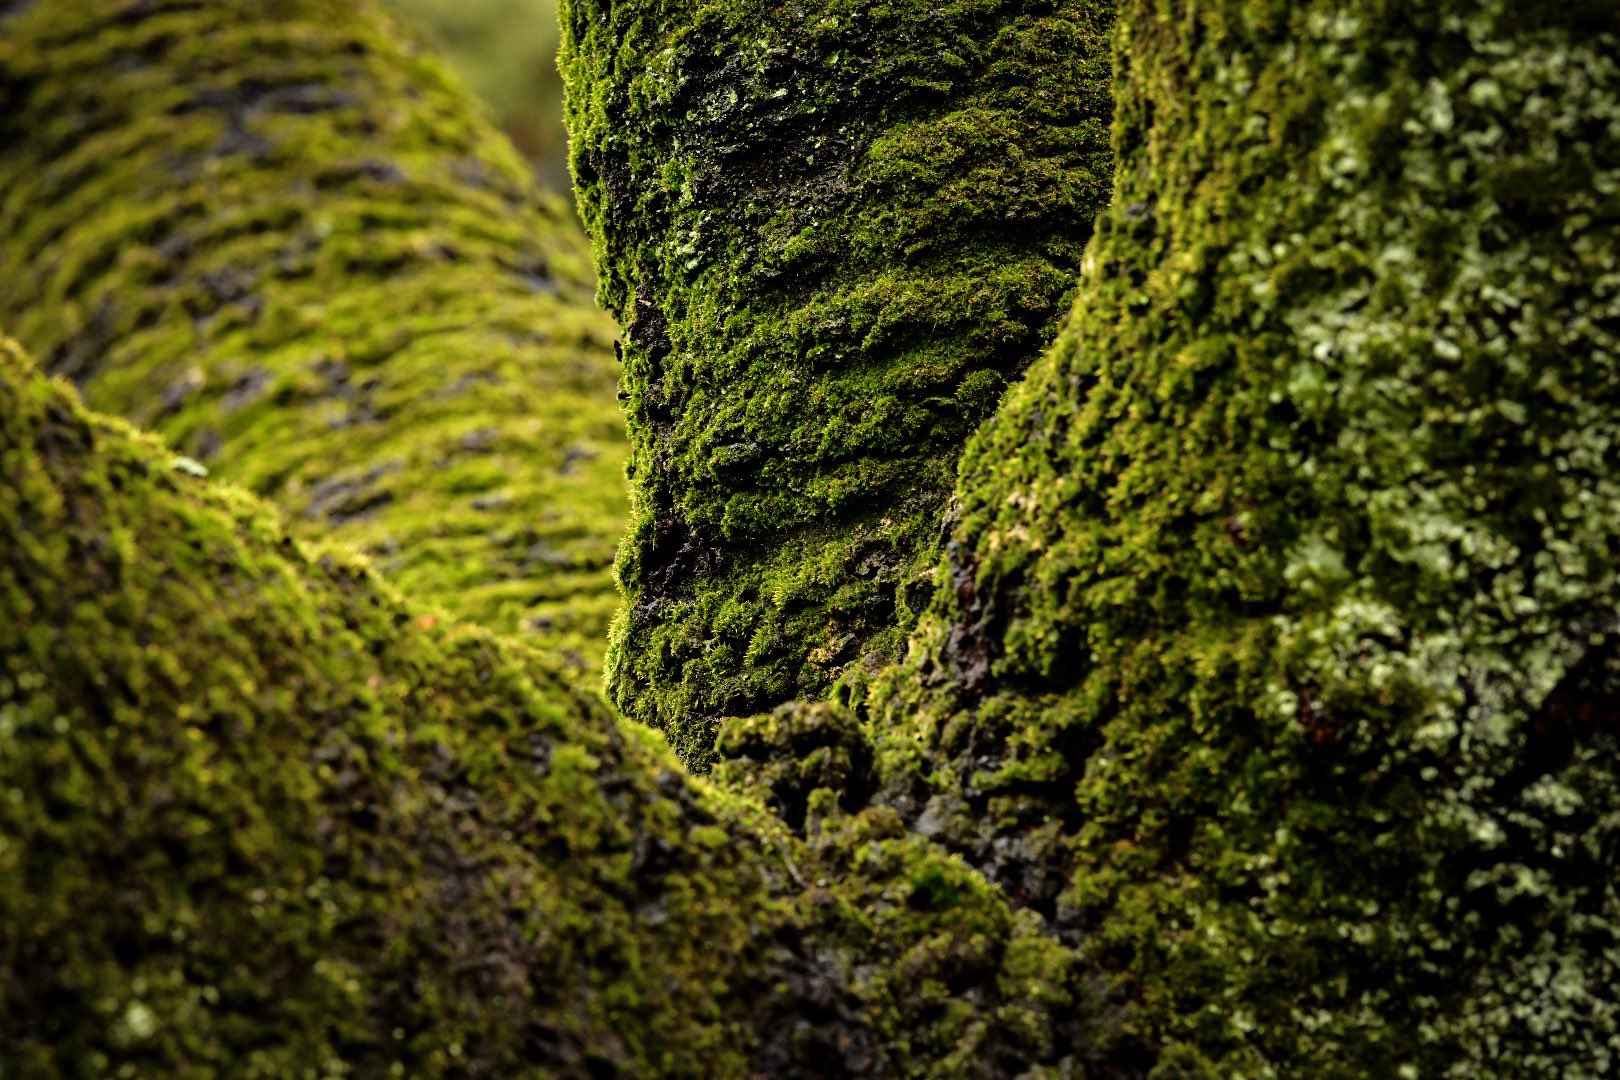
column 1070, row 539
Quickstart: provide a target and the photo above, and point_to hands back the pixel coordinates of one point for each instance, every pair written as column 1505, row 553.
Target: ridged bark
column 833, row 234
column 1278, row 660
column 277, row 236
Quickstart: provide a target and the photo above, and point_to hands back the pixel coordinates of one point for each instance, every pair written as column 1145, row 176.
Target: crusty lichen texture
column 1282, row 603
column 262, row 818
column 833, row 233
column 275, row 234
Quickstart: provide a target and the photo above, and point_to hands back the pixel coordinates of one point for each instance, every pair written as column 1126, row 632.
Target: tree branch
column 292, row 246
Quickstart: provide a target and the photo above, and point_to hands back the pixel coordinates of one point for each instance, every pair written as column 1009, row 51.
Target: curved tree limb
column 281, row 238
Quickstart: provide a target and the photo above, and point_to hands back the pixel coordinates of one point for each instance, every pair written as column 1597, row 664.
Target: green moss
column 953, row 977
column 1282, row 597
column 260, row 817
column 292, row 246
column 832, row 233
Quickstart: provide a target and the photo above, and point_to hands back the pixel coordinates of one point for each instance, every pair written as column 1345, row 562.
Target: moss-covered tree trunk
column 262, row 817
column 275, row 234
column 833, row 233
column 1282, row 603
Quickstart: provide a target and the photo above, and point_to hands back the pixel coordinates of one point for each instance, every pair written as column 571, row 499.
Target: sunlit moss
column 281, row 238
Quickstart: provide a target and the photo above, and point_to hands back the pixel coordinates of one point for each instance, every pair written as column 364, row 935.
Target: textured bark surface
column 277, row 236
column 1282, row 604
column 834, row 232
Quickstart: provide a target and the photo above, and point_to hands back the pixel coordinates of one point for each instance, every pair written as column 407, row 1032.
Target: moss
column 261, row 817
column 1282, row 596
column 1269, row 679
column 291, row 245
column 948, row 973
column 832, row 233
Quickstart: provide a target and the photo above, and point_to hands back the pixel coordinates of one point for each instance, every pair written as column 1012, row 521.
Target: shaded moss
column 1281, row 606
column 281, row 238
column 832, row 232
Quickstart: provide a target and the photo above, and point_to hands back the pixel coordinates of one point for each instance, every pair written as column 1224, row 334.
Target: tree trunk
column 262, row 817
column 1282, row 600
column 834, row 233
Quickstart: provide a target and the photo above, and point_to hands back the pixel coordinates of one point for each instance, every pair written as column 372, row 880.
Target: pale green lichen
column 282, row 239
column 833, row 234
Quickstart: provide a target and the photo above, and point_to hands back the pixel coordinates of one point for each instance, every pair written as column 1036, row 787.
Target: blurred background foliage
column 506, row 51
